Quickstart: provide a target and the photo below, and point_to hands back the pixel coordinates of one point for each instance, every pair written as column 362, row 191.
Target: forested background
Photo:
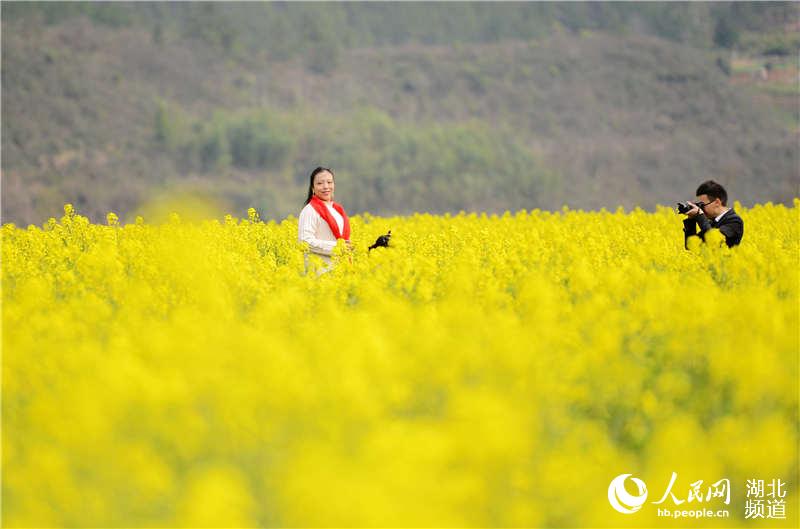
column 417, row 106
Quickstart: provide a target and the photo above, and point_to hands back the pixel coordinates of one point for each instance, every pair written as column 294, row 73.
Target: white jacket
column 313, row 229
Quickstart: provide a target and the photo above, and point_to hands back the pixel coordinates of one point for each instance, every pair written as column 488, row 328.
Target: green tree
column 726, row 35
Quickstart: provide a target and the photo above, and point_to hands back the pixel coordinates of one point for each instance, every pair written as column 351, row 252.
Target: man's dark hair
column 713, row 190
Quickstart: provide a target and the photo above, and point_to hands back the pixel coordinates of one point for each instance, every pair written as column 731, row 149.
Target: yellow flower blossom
column 481, row 371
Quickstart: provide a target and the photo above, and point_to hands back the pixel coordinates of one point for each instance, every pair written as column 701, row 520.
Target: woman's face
column 323, row 185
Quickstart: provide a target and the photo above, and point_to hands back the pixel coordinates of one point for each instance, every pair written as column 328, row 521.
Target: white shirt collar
column 721, row 214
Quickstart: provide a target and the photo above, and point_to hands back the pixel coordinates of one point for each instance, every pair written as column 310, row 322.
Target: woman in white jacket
column 322, row 221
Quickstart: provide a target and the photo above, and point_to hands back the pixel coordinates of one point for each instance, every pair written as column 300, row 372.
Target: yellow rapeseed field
column 484, row 371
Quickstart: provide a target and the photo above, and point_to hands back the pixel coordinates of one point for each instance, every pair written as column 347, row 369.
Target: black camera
column 383, row 240
column 684, row 207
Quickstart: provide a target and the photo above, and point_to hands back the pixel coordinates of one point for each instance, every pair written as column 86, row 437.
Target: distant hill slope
column 108, row 117
column 286, row 29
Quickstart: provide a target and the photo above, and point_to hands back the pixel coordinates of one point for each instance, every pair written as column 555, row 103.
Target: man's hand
column 693, row 211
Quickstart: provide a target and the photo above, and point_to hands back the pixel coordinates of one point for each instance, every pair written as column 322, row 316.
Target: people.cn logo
column 621, row 500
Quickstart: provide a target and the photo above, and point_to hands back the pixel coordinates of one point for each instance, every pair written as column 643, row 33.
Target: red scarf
column 323, row 211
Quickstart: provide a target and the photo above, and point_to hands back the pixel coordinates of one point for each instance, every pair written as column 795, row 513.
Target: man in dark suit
column 713, row 213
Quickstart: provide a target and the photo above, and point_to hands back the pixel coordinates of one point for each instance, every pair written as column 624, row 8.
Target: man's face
column 713, row 206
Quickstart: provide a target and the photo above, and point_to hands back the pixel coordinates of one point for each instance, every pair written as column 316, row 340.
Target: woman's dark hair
column 314, row 173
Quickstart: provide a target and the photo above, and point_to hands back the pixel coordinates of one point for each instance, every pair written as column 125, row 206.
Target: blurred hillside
column 417, row 107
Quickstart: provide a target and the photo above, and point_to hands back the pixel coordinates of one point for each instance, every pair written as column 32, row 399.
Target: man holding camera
column 711, row 211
